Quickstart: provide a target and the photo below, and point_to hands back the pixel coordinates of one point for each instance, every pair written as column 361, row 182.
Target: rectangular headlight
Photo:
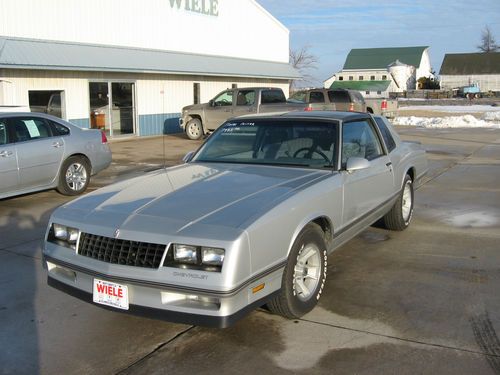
column 63, row 234
column 186, row 254
column 212, row 256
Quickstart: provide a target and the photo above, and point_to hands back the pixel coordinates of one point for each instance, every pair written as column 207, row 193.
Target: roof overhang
column 20, row 53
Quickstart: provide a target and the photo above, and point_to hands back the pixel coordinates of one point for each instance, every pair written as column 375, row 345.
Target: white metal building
column 130, row 66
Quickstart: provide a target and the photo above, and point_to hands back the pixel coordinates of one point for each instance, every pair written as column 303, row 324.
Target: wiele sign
column 208, row 7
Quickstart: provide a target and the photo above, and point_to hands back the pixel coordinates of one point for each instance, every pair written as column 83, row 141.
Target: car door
column 245, row 103
column 365, row 190
column 39, row 153
column 9, row 175
column 220, row 110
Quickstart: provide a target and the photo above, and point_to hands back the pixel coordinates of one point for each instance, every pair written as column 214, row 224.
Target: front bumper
column 182, row 305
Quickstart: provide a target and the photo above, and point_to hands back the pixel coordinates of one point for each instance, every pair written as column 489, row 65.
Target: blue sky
column 332, row 28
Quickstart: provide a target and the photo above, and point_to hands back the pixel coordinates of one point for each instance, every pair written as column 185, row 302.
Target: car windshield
column 297, row 142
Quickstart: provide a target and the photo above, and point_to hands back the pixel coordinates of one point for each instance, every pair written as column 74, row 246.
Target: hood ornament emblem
column 117, row 233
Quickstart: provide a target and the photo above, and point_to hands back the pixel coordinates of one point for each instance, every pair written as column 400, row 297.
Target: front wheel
column 399, row 217
column 74, row 176
column 194, row 129
column 304, row 276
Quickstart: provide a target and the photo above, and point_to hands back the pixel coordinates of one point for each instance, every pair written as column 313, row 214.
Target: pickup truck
column 200, row 119
column 344, row 100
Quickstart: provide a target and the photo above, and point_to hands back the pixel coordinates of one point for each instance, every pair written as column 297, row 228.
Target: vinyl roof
column 20, row 53
column 380, row 58
column 361, row 85
column 471, row 63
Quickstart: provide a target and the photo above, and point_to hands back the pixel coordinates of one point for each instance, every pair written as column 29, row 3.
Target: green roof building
column 464, row 69
column 377, row 71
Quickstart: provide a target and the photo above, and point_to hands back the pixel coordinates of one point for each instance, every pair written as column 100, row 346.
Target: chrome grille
column 123, row 252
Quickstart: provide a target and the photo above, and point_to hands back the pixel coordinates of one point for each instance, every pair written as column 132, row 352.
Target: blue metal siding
column 81, row 122
column 160, row 123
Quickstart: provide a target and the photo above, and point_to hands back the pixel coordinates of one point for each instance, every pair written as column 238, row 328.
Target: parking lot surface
column 421, row 301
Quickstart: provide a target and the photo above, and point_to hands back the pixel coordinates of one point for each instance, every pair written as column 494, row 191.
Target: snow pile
column 466, row 121
column 475, row 108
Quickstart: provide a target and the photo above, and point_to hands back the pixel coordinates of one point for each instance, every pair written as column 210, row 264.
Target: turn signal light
column 104, row 139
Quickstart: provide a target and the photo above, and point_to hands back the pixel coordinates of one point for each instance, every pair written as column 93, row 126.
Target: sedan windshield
column 297, row 142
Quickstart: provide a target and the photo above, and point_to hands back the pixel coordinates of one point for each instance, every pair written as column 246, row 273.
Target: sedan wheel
column 74, row 177
column 399, row 217
column 304, row 275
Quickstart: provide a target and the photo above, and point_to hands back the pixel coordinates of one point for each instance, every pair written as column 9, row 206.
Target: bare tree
column 304, row 61
column 488, row 43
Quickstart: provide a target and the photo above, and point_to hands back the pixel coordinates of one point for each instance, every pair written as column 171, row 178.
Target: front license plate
column 110, row 294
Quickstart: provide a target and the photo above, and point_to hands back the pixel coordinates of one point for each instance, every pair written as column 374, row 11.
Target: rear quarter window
column 339, row 97
column 316, row 97
column 386, row 134
column 4, row 137
column 59, row 129
column 272, row 97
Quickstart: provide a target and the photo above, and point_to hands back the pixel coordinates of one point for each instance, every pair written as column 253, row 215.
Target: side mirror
column 211, row 103
column 187, row 158
column 356, row 164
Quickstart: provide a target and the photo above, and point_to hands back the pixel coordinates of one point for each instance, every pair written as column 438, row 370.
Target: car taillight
column 384, row 105
column 351, row 107
column 104, row 139
column 308, row 108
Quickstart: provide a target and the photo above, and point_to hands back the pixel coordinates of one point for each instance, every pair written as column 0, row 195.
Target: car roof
column 39, row 115
column 323, row 115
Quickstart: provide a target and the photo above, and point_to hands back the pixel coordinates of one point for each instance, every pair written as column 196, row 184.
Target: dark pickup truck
column 200, row 119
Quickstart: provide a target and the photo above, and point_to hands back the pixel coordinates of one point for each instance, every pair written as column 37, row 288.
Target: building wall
column 155, row 24
column 159, row 98
column 486, row 82
column 378, row 73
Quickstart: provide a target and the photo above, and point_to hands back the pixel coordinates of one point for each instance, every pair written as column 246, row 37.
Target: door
column 99, row 106
column 245, row 103
column 220, row 110
column 39, row 154
column 9, row 176
column 368, row 189
column 122, row 110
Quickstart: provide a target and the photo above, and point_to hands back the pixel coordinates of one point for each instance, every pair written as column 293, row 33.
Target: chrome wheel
column 194, row 129
column 407, row 203
column 307, row 271
column 76, row 177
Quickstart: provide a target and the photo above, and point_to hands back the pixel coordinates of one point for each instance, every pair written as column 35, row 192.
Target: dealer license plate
column 110, row 294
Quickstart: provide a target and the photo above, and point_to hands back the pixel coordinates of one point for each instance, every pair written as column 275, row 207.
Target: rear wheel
column 304, row 276
column 194, row 129
column 74, row 176
column 399, row 217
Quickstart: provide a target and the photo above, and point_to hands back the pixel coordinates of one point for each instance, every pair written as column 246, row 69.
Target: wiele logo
column 208, row 7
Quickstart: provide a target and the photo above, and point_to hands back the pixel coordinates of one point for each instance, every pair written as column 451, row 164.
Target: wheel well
column 326, row 226
column 411, row 173
column 81, row 156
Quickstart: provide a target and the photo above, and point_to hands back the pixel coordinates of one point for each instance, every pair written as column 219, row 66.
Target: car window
column 339, row 96
column 59, row 129
column 357, row 97
column 316, row 97
column 299, row 95
column 4, row 138
column 245, row 97
column 360, row 140
column 224, row 99
column 27, row 129
column 272, row 96
column 386, row 134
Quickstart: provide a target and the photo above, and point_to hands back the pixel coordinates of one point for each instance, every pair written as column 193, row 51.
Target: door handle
column 57, row 144
column 6, row 154
column 388, row 164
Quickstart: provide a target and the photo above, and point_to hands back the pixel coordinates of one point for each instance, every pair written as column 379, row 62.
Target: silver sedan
column 39, row 152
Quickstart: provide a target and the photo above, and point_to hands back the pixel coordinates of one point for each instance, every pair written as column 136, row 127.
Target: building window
column 361, row 78
column 379, row 92
column 384, row 77
column 234, row 86
column 196, row 93
column 367, row 92
column 341, row 78
column 351, row 78
column 372, row 78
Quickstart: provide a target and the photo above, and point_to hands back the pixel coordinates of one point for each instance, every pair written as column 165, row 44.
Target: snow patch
column 466, row 121
column 452, row 108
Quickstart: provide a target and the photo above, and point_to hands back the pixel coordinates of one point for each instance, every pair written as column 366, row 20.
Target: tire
column 194, row 129
column 400, row 215
column 304, row 276
column 74, row 176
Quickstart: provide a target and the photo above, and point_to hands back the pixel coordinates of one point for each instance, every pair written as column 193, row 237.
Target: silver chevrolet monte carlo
column 248, row 220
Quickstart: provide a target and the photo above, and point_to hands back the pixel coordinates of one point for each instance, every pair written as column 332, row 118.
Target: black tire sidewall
column 63, row 187
column 310, row 234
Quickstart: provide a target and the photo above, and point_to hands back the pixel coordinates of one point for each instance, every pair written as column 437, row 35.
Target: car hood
column 178, row 198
